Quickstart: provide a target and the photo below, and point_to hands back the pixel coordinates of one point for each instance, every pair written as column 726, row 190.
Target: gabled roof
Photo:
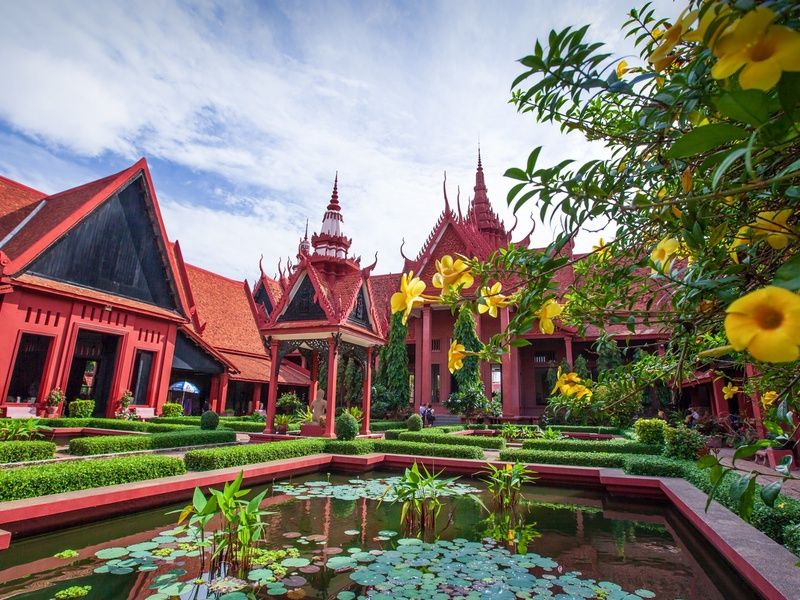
column 17, row 201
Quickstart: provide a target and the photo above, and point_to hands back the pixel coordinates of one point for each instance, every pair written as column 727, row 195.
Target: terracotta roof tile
column 383, row 286
column 16, row 202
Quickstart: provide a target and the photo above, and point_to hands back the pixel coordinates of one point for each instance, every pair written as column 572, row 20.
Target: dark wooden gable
column 114, row 250
column 360, row 313
column 262, row 298
column 190, row 357
column 303, row 306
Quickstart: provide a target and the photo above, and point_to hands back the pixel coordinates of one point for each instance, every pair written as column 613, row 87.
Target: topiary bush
column 219, row 458
column 81, row 409
column 209, row 420
column 615, row 446
column 681, row 442
column 414, row 423
column 41, row 480
column 25, row 451
column 656, row 466
column 495, row 443
column 650, row 431
column 346, row 427
column 393, row 434
column 420, row 449
column 791, row 538
column 129, row 443
column 552, row 457
column 172, row 409
column 349, row 447
column 384, row 425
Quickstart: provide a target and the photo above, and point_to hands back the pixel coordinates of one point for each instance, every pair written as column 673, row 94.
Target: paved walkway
column 790, row 488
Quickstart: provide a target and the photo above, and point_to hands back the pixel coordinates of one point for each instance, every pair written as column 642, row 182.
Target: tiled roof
column 257, row 368
column 383, row 286
column 224, row 311
column 16, row 202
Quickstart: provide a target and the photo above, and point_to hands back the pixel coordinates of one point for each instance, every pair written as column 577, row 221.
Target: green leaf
column 750, row 449
column 788, row 275
column 707, row 137
column 515, row 173
column 783, row 466
column 746, row 106
column 707, row 461
column 742, row 492
column 770, row 491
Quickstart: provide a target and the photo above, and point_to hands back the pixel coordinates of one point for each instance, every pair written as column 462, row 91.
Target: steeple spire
column 480, row 183
column 334, row 204
column 331, row 241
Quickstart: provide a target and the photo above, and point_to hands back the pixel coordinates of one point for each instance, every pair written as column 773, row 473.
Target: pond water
column 339, row 540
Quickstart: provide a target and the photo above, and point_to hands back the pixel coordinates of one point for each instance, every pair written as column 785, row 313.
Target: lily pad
column 109, row 553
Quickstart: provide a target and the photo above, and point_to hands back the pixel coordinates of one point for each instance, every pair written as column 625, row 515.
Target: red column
column 510, row 365
column 568, row 349
column 256, row 398
column 167, row 355
column 425, row 343
column 330, row 397
column 367, row 393
column 312, row 389
column 418, row 366
column 223, row 392
column 719, row 405
column 272, row 396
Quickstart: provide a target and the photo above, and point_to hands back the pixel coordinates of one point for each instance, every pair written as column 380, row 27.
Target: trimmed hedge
column 494, row 443
column 41, row 480
column 24, row 451
column 172, row 409
column 657, row 466
column 128, row 443
column 427, row 449
column 226, row 422
column 393, row 434
column 587, row 429
column 378, row 426
column 81, row 408
column 349, row 447
column 551, row 457
column 791, row 538
column 650, row 431
column 219, row 458
column 609, row 446
column 121, row 424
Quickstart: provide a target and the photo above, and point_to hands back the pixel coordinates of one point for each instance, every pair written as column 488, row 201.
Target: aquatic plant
column 74, row 591
column 505, row 483
column 509, row 529
column 20, row 430
column 69, row 553
column 419, row 491
column 355, row 489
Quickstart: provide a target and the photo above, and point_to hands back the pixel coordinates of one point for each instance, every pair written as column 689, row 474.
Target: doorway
column 91, row 374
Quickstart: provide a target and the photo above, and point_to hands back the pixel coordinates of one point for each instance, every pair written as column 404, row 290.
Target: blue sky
column 245, row 110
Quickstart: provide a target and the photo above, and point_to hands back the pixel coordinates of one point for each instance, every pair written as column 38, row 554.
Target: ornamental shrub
column 129, row 443
column 791, row 538
column 657, row 466
column 495, row 443
column 414, row 423
column 288, row 403
column 172, row 409
column 424, row 449
column 650, row 431
column 681, row 442
column 618, row 446
column 24, row 451
column 349, row 447
column 393, row 434
column 384, row 425
column 586, row 429
column 209, row 420
column 552, row 457
column 41, row 480
column 81, row 409
column 219, row 458
column 346, row 427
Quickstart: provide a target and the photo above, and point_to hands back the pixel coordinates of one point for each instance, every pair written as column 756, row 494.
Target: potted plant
column 124, row 402
column 282, row 423
column 54, row 400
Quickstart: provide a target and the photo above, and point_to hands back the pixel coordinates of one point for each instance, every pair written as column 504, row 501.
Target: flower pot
column 281, row 429
column 312, row 429
column 52, row 412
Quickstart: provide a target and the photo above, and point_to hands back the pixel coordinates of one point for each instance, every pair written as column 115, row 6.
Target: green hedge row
column 427, row 449
column 393, row 434
column 349, row 447
column 219, row 458
column 121, row 424
column 245, row 426
column 494, row 443
column 587, row 429
column 26, row 451
column 128, row 443
column 380, row 425
column 616, row 446
column 41, row 480
column 657, row 466
column 553, row 457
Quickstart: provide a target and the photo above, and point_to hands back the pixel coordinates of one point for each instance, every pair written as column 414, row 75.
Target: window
column 29, row 368
column 142, row 367
column 436, row 345
column 544, row 357
column 436, row 383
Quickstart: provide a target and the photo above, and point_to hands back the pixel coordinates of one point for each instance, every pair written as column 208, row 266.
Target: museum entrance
column 92, row 372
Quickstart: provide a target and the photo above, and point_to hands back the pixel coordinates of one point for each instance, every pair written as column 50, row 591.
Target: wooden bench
column 20, row 411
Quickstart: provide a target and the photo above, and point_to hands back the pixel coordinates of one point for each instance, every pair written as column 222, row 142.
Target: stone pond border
column 768, row 567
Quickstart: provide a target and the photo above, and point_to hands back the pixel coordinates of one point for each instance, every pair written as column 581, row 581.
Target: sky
column 246, row 110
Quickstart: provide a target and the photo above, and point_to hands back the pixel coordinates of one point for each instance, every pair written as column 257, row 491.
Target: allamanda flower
column 493, row 300
column 549, row 311
column 729, row 390
column 622, row 68
column 661, row 57
column 565, row 382
column 768, row 399
column 452, row 273
column 601, row 250
column 663, row 254
column 762, row 50
column 774, row 227
column 715, row 12
column 410, row 295
column 766, row 322
column 455, row 356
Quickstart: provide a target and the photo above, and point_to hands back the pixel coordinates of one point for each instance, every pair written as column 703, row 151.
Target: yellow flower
column 729, row 391
column 580, row 392
column 493, row 300
column 712, row 14
column 661, row 57
column 452, row 273
column 410, row 295
column 511, row 534
column 664, row 253
column 766, row 322
column 565, row 382
column 768, row 399
column 508, row 466
column 622, row 68
column 773, row 225
column 455, row 356
column 549, row 310
column 601, row 250
column 657, row 34
column 763, row 49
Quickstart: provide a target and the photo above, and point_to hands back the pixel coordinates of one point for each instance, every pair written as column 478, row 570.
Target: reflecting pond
column 339, row 536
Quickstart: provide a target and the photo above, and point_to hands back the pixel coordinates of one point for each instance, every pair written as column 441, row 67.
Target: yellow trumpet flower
column 493, row 300
column 455, row 356
column 410, row 295
column 549, row 311
column 622, row 68
column 768, row 399
column 766, row 323
column 729, row 391
column 452, row 273
column 661, row 57
column 663, row 254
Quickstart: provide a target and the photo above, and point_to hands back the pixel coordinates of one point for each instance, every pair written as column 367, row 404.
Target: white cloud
column 275, row 98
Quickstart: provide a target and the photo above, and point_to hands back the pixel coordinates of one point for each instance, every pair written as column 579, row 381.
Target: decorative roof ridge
column 22, row 186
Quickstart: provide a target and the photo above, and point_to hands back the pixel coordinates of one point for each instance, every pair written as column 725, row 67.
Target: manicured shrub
column 26, row 451
column 421, row 449
column 657, row 466
column 650, row 431
column 172, row 409
column 414, row 423
column 176, row 420
column 219, row 458
column 129, row 443
column 209, row 420
column 41, row 480
column 349, row 447
column 346, row 427
column 791, row 538
column 604, row 429
column 495, row 443
column 81, row 409
column 379, row 425
column 681, row 442
column 615, row 446
column 551, row 457
column 120, row 424
column 393, row 434
column 288, row 403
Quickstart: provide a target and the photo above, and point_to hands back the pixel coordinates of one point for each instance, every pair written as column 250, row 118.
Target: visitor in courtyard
column 423, row 411
column 429, row 418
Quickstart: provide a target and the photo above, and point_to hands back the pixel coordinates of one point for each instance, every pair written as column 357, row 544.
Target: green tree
column 394, row 366
column 609, row 356
column 464, row 333
column 582, row 367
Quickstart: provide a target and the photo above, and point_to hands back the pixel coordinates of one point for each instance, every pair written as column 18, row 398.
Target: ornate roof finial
column 305, row 237
column 444, row 189
column 401, row 250
column 480, row 166
column 458, row 202
column 334, row 204
column 261, row 266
